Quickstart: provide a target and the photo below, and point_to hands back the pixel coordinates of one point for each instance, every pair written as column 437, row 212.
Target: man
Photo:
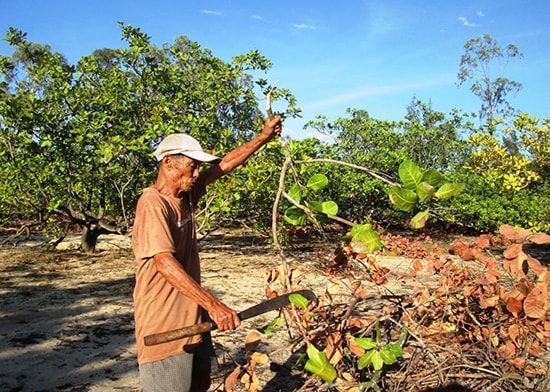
column 168, row 293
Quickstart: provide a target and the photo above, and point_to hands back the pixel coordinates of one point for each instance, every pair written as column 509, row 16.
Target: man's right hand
column 224, row 317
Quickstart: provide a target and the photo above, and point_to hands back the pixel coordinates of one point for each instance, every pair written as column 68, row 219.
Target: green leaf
column 395, row 349
column 377, row 360
column 424, row 191
column 318, row 181
column 298, row 300
column 387, row 356
column 295, row 216
column 367, row 235
column 266, row 330
column 319, row 365
column 365, row 359
column 419, row 220
column 410, row 174
column 403, row 199
column 329, row 208
column 365, row 343
column 432, row 177
column 295, row 193
column 448, row 190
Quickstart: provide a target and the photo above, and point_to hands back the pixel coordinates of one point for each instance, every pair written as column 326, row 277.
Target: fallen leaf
column 417, row 265
column 253, row 339
column 540, row 238
column 260, row 357
column 514, row 306
column 232, row 379
column 512, row 251
column 534, row 304
column 250, row 381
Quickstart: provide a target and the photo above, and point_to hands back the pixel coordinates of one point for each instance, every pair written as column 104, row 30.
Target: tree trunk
column 88, row 238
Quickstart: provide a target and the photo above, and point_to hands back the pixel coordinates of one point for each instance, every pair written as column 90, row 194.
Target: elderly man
column 168, row 293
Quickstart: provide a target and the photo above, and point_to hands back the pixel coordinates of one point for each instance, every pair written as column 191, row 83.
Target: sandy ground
column 66, row 321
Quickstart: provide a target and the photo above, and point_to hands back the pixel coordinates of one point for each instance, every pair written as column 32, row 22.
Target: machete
column 266, row 306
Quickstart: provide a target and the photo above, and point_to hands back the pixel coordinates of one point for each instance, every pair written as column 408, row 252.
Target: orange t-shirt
column 164, row 224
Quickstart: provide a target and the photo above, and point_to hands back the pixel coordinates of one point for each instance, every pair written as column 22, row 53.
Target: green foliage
column 486, row 209
column 319, row 365
column 418, row 189
column 78, row 139
column 297, row 215
column 365, row 234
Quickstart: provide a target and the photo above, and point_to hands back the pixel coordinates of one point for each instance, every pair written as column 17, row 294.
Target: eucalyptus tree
column 483, row 66
column 78, row 138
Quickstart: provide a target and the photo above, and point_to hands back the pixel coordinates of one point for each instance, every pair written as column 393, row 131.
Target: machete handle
column 163, row 337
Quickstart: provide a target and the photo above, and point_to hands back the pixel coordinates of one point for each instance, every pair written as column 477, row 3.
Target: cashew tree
column 77, row 138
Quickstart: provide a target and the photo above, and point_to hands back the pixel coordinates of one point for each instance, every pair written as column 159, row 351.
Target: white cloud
column 372, row 91
column 480, row 13
column 465, row 22
column 210, row 12
column 303, row 26
column 257, row 17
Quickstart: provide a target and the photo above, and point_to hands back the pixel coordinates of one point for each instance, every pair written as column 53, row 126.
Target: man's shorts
column 180, row 372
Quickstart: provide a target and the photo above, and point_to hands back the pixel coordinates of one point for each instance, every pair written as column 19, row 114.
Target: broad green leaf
column 298, row 300
column 387, row 356
column 419, row 220
column 403, row 199
column 365, row 343
column 448, row 190
column 295, row 193
column 365, row 359
column 368, row 236
column 395, row 349
column 315, row 206
column 329, row 208
column 295, row 216
column 318, row 181
column 319, row 365
column 424, row 191
column 377, row 360
column 410, row 174
column 432, row 177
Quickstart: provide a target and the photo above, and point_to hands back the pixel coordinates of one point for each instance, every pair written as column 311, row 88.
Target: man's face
column 185, row 172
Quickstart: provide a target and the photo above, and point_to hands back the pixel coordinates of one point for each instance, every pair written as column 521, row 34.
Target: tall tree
column 477, row 67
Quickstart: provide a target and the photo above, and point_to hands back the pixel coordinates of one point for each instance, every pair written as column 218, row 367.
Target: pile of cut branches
column 484, row 326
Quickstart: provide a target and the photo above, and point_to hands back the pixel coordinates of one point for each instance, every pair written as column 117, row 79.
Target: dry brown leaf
column 513, row 251
column 250, row 381
column 417, row 265
column 232, row 379
column 253, row 339
column 259, row 357
column 483, row 241
column 460, row 249
column 353, row 347
column 540, row 238
column 534, row 304
column 535, row 265
column 514, row 234
column 514, row 306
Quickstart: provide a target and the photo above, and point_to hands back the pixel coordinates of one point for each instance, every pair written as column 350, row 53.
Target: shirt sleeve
column 151, row 234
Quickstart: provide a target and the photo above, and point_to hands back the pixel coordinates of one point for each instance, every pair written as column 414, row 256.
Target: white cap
column 181, row 143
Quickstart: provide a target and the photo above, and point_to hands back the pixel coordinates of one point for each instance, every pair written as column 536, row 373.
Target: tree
column 477, row 67
column 79, row 138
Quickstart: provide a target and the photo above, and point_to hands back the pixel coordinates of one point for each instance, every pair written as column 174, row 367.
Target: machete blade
column 266, row 306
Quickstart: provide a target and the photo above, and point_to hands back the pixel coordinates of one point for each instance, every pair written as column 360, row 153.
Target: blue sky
column 371, row 55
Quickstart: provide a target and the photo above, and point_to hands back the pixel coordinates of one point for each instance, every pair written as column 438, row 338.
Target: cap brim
column 201, row 156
